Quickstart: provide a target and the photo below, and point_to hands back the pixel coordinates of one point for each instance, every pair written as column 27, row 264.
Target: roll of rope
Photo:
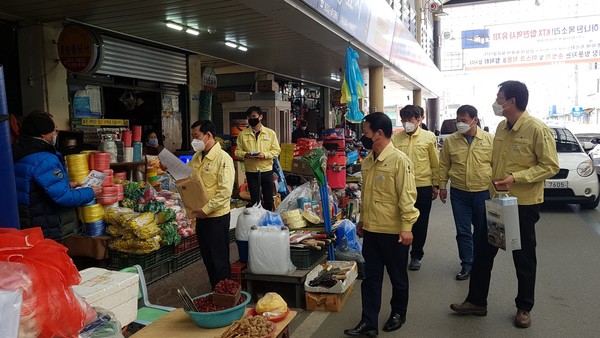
column 120, row 192
column 101, row 161
column 137, row 151
column 128, row 154
column 121, row 175
column 137, row 134
column 126, row 137
column 92, row 213
column 109, row 172
column 94, row 229
column 108, row 181
column 77, row 167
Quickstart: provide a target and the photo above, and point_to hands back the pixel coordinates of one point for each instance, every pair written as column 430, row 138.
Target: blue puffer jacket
column 43, row 191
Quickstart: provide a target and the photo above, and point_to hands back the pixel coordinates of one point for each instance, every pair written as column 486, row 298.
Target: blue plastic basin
column 211, row 320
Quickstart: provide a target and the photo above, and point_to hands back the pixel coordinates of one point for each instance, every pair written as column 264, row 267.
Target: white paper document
column 93, row 179
column 175, row 166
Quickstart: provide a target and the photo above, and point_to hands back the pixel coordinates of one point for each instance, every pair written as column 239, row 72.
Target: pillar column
column 375, row 89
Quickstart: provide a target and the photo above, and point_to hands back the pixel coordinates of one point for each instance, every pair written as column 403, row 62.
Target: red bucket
column 137, row 134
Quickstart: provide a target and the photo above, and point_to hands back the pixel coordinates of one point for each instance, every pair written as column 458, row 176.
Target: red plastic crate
column 236, row 271
column 186, row 244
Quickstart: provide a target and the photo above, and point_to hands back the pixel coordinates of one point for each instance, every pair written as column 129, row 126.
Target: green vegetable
column 154, row 206
column 170, row 235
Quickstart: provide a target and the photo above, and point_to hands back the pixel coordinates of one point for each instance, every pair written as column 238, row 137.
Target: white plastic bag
column 10, row 312
column 269, row 251
column 249, row 217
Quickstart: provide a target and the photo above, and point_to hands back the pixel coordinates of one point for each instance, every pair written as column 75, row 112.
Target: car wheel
column 590, row 205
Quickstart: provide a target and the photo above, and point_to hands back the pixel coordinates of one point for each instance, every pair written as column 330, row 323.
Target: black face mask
column 366, row 142
column 253, row 121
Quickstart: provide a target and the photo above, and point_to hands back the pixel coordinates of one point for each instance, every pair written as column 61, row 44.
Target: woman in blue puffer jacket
column 45, row 195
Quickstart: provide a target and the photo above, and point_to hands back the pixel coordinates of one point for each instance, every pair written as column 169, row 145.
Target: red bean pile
column 205, row 304
column 227, row 286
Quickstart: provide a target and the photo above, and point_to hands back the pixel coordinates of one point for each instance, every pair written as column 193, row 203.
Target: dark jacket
column 299, row 133
column 43, row 192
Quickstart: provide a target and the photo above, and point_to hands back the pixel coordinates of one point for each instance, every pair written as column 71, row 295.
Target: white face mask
column 409, row 127
column 198, row 145
column 498, row 108
column 53, row 142
column 462, row 127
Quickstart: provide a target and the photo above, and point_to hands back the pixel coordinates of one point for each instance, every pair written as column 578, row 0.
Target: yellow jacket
column 528, row 152
column 389, row 192
column 467, row 166
column 421, row 148
column 216, row 172
column 267, row 144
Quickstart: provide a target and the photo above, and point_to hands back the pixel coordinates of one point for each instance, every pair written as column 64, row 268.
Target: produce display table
column 260, row 284
column 178, row 324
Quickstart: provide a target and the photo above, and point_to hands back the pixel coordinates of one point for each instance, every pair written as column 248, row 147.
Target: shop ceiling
column 278, row 34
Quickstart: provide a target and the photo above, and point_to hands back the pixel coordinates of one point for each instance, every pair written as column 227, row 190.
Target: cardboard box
column 192, row 194
column 93, row 247
column 240, row 174
column 301, row 168
column 113, row 290
column 243, row 96
column 341, row 286
column 226, row 96
column 332, row 302
column 267, row 86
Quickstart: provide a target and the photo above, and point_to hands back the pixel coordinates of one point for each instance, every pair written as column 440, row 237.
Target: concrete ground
column 567, row 294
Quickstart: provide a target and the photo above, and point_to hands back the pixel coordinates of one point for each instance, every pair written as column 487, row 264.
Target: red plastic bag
column 45, row 273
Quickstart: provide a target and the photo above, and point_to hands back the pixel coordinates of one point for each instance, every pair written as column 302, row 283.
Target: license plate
column 556, row 184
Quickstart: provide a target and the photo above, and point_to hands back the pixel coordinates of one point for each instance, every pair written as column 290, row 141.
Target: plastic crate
column 181, row 261
column 236, row 271
column 120, row 260
column 306, row 258
column 156, row 272
column 186, row 244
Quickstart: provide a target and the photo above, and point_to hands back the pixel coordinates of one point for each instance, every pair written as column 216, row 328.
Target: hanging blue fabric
column 9, row 216
column 352, row 87
column 282, row 187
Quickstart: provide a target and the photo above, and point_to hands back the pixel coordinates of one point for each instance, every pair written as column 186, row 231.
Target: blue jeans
column 468, row 209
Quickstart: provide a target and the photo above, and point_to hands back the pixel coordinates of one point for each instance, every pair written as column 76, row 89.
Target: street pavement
column 567, row 292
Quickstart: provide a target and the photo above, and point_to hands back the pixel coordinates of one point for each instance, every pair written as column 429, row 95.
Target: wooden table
column 178, row 324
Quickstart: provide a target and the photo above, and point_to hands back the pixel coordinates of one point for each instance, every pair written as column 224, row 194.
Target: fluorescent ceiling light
column 243, row 48
column 192, row 31
column 174, row 26
column 231, row 44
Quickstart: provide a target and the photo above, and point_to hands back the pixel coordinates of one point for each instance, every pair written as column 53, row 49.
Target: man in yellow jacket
column 387, row 217
column 421, row 147
column 258, row 146
column 466, row 161
column 214, row 168
column 524, row 156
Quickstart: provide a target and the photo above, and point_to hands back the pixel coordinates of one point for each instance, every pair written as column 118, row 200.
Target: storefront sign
column 78, row 49
column 533, row 43
column 100, row 122
column 209, row 79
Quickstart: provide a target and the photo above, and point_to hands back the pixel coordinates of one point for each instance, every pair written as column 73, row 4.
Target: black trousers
column 213, row 238
column 379, row 251
column 265, row 181
column 419, row 229
column 525, row 261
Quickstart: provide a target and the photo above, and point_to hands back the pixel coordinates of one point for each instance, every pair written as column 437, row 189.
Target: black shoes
column 464, row 274
column 394, row 322
column 362, row 329
column 415, row 264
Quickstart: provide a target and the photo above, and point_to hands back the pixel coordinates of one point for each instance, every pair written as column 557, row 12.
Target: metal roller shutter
column 128, row 59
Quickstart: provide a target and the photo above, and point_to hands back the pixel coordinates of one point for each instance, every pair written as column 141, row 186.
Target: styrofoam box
column 341, row 286
column 115, row 291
